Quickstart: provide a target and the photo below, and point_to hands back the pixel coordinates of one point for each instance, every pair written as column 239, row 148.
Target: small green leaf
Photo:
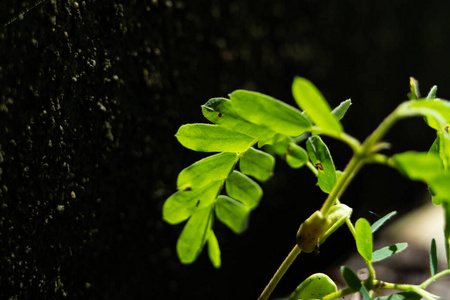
column 314, row 287
column 381, row 221
column 321, row 158
column 204, row 171
column 311, row 100
column 220, row 112
column 232, row 213
column 269, row 112
column 182, row 204
column 296, row 156
column 414, row 89
column 432, row 93
column 437, row 112
column 337, row 216
column 388, row 251
column 401, row 296
column 433, row 258
column 417, row 165
column 278, row 148
column 340, row 111
column 363, row 237
column 194, row 235
column 213, row 138
column 243, row 189
column 353, row 281
column 214, row 250
column 257, row 164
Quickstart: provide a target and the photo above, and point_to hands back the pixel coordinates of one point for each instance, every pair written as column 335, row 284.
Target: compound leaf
column 194, row 235
column 364, row 240
column 315, row 286
column 220, row 112
column 204, row 171
column 269, row 112
column 257, row 164
column 353, row 281
column 214, row 250
column 311, row 100
column 232, row 213
column 296, row 156
column 388, row 251
column 213, row 138
column 243, row 189
column 321, row 158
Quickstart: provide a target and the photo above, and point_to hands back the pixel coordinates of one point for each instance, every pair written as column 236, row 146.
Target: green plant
column 248, row 120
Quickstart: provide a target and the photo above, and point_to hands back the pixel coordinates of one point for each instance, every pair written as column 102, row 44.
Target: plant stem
column 434, row 278
column 279, row 273
column 339, row 294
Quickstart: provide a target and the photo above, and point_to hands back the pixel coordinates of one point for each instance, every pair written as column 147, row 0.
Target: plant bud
column 309, row 233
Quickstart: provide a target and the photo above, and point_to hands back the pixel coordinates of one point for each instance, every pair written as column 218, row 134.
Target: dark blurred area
column 92, row 93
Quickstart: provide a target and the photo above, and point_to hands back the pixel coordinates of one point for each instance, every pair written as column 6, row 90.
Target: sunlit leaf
column 315, row 286
column 433, row 258
column 213, row 138
column 340, row 111
column 257, row 163
column 204, row 171
column 353, row 281
column 278, row 148
column 219, row 111
column 311, row 100
column 242, row 188
column 194, row 235
column 364, row 240
column 232, row 213
column 381, row 221
column 320, row 157
column 432, row 93
column 179, row 207
column 296, row 156
column 214, row 250
column 264, row 110
column 417, row 165
column 388, row 251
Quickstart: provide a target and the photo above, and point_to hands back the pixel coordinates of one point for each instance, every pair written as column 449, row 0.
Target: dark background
column 92, row 93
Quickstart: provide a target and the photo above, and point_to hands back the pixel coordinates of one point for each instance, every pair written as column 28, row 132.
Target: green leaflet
column 194, row 235
column 232, row 213
column 257, row 164
column 204, row 171
column 311, row 100
column 182, row 204
column 213, row 138
column 436, row 112
column 413, row 89
column 296, row 156
column 315, row 286
column 381, row 221
column 340, row 111
column 220, row 112
column 242, row 188
column 214, row 250
column 353, row 281
column 264, row 110
column 363, row 237
column 388, row 251
column 433, row 258
column 321, row 158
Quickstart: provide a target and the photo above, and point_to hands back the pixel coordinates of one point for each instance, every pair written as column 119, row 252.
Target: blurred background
column 92, row 93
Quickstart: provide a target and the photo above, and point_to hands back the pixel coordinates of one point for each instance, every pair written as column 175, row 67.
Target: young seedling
column 250, row 129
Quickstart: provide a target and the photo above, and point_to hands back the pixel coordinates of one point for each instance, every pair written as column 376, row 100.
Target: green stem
column 339, row 294
column 279, row 273
column 434, row 278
